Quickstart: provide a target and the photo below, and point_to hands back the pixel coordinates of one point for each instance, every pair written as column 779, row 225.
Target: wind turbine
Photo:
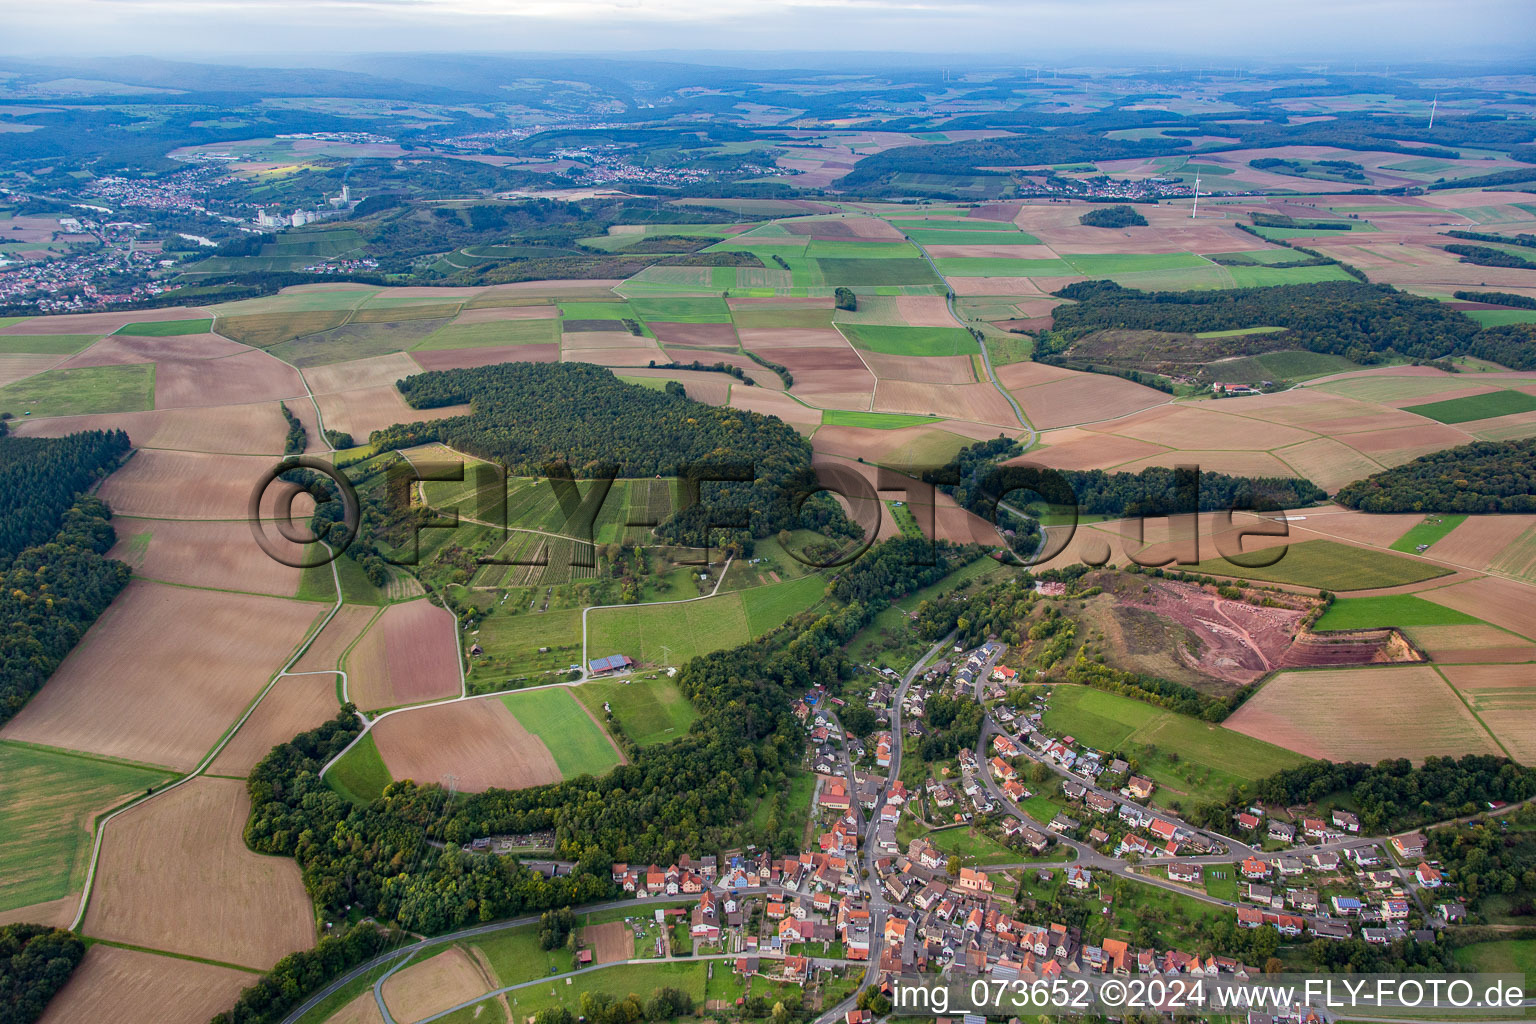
column 1433, row 104
column 1196, row 207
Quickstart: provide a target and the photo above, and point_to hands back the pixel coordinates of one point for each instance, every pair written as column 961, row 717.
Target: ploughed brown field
column 409, row 654
column 175, row 874
column 223, row 555
column 127, row 986
column 611, row 942
column 163, row 673
column 295, row 704
column 479, row 742
column 431, row 986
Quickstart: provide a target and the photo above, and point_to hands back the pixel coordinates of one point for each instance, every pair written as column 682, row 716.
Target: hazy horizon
column 1048, row 31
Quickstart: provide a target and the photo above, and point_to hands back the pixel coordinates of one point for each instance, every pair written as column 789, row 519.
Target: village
column 865, row 893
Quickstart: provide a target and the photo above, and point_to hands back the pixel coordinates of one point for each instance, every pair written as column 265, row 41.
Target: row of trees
column 1488, row 256
column 1482, row 477
column 298, row 438
column 35, row 962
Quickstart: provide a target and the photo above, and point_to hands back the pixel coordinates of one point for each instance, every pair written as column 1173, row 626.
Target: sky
column 1031, row 30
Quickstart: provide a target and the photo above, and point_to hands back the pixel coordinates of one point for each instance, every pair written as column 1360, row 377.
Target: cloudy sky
column 1029, row 29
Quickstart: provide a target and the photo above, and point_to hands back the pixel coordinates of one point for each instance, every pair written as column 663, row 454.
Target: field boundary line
column 1473, row 712
column 202, row 766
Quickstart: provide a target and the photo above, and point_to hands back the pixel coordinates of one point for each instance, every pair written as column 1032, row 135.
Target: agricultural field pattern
column 572, row 710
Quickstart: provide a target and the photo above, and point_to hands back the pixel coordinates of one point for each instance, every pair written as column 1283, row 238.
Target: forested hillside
column 1486, row 477
column 526, row 416
column 40, row 477
column 35, row 962
column 1339, row 317
column 49, row 596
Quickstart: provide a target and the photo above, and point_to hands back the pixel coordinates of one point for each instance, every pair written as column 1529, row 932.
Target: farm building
column 612, row 663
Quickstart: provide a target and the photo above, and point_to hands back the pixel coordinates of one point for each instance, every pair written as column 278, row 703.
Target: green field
column 1329, row 565
column 874, row 420
column 864, row 272
column 1427, row 532
column 648, row 710
column 1501, row 317
column 1102, row 264
column 360, row 775
column 972, row 847
column 932, row 235
column 515, row 956
column 1285, row 365
column 1503, row 956
column 983, row 266
column 784, row 316
column 1476, row 407
column 1393, row 610
column 579, row 745
column 911, row 341
column 615, row 979
column 824, row 249
column 514, row 637
column 488, row 335
column 45, row 344
column 88, row 389
column 682, row 309
column 166, row 328
column 48, row 805
column 1192, row 760
column 692, row 628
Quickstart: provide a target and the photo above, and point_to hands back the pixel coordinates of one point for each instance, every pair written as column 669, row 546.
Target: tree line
column 40, row 478
column 35, row 962
column 1120, row 216
column 1345, row 318
column 49, row 596
column 1482, row 477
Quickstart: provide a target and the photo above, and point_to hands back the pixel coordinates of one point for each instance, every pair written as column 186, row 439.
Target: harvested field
column 326, row 650
column 777, row 403
column 1357, row 527
column 230, row 380
column 376, row 371
column 362, row 1010
column 431, row 986
column 459, row 358
column 363, row 411
column 1504, row 697
column 1076, row 448
column 175, row 874
column 15, row 367
column 232, row 429
column 709, row 388
column 1327, row 462
column 480, row 742
column 756, row 372
column 117, row 349
column 1360, row 714
column 157, row 483
column 1233, row 463
column 295, row 704
column 697, row 335
column 410, row 654
column 127, row 986
column 102, row 323
column 199, row 657
column 1085, row 398
column 1478, row 542
column 776, row 339
column 611, row 943
column 1466, row 644
column 981, row 402
column 1403, row 444
column 1027, row 375
column 609, row 355
column 907, row 450
column 495, row 314
column 1190, row 426
column 1500, row 602
column 922, row 369
column 263, row 330
column 222, row 555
